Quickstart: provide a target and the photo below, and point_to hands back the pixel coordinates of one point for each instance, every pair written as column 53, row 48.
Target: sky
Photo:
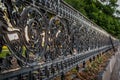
column 118, row 4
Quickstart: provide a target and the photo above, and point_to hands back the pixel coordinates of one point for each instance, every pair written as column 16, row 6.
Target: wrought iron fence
column 50, row 34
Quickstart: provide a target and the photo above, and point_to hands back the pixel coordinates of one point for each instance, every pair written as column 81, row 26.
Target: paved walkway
column 116, row 70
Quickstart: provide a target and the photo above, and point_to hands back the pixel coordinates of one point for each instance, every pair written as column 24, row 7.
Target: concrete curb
column 106, row 74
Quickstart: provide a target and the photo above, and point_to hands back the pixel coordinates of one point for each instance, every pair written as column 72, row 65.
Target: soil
column 92, row 68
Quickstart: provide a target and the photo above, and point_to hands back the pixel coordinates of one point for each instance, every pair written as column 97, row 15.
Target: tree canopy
column 102, row 14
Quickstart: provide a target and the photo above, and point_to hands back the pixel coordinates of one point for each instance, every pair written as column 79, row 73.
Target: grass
column 4, row 52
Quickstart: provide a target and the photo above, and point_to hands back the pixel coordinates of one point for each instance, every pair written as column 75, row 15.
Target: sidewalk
column 116, row 70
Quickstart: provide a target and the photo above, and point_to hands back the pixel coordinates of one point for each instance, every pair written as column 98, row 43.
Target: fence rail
column 51, row 69
column 48, row 38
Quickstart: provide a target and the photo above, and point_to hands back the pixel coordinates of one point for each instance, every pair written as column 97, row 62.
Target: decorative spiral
column 12, row 38
column 58, row 38
column 34, row 34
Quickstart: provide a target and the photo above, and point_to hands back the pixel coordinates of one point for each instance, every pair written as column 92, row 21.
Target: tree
column 101, row 14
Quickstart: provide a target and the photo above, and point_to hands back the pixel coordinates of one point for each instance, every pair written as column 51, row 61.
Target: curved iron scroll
column 37, row 31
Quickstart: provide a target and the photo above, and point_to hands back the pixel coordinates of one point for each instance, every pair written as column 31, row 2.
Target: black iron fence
column 48, row 38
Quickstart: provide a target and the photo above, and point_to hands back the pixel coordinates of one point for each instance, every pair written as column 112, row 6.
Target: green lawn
column 4, row 52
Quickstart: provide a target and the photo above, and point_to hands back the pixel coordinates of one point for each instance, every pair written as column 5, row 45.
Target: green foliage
column 4, row 52
column 100, row 14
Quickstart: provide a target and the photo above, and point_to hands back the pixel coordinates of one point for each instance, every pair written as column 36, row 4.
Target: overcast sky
column 119, row 4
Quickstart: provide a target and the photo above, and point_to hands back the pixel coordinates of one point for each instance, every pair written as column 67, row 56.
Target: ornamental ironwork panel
column 41, row 31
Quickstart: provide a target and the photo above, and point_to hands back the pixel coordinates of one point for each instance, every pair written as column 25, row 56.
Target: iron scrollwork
column 37, row 31
column 58, row 37
column 25, row 40
column 33, row 31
